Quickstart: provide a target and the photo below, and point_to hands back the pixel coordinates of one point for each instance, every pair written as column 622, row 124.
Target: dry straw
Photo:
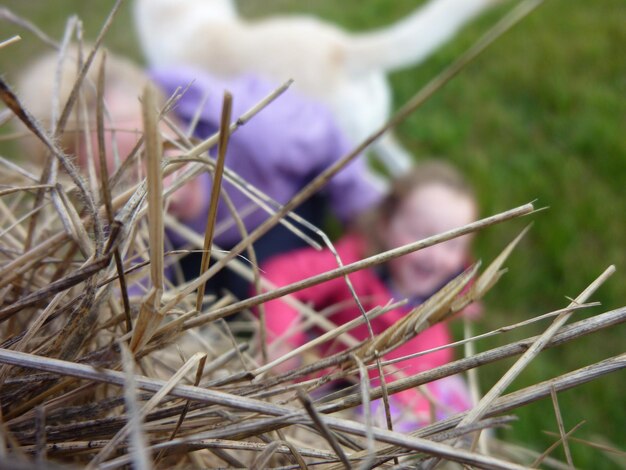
column 99, row 374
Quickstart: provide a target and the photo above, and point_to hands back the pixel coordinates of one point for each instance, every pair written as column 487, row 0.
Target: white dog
column 344, row 70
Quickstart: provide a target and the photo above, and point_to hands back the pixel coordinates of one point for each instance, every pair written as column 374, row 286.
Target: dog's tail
column 414, row 38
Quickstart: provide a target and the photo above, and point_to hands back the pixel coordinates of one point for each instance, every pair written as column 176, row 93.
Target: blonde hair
column 36, row 89
column 422, row 174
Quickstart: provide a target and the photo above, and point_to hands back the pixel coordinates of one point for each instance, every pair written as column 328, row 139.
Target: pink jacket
column 372, row 291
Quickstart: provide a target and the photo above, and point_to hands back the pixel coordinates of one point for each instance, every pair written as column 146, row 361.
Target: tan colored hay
column 98, row 379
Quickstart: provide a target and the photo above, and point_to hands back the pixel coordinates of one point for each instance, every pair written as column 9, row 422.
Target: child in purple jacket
column 430, row 199
column 279, row 151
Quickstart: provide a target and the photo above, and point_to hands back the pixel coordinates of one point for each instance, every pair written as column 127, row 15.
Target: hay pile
column 104, row 362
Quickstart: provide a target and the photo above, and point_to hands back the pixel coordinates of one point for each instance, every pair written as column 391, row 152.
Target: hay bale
column 91, row 375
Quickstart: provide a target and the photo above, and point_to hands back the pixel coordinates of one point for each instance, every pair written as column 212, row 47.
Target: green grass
column 540, row 115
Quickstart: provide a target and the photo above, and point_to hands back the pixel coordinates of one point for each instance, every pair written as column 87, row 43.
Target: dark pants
column 278, row 240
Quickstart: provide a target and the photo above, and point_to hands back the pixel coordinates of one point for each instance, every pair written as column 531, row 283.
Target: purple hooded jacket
column 278, row 151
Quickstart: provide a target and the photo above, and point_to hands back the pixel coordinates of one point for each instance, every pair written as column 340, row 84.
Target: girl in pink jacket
column 431, row 199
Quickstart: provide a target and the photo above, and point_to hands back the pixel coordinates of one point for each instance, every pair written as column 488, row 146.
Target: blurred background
column 540, row 116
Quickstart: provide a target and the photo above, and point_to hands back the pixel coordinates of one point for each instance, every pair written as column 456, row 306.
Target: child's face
column 126, row 118
column 427, row 211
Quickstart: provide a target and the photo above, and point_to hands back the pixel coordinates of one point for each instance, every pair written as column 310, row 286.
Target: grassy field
column 541, row 116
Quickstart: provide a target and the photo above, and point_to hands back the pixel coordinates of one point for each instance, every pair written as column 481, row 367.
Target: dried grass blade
column 559, row 421
column 32, row 330
column 227, row 106
column 479, row 410
column 148, row 321
column 262, row 460
column 469, row 350
column 60, row 126
column 424, row 316
column 138, row 442
column 256, row 276
column 498, row 331
column 569, row 333
column 364, row 390
column 154, row 151
column 8, row 15
column 11, row 40
column 605, row 447
column 350, row 268
column 65, row 283
column 267, row 204
column 323, row 429
column 71, row 25
column 106, row 190
column 149, row 406
column 176, row 324
column 6, row 192
column 192, row 444
column 150, row 317
column 75, row 226
column 18, row 170
column 562, row 440
column 51, row 165
column 199, row 372
column 211, row 141
column 40, row 435
column 490, row 276
column 337, row 331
